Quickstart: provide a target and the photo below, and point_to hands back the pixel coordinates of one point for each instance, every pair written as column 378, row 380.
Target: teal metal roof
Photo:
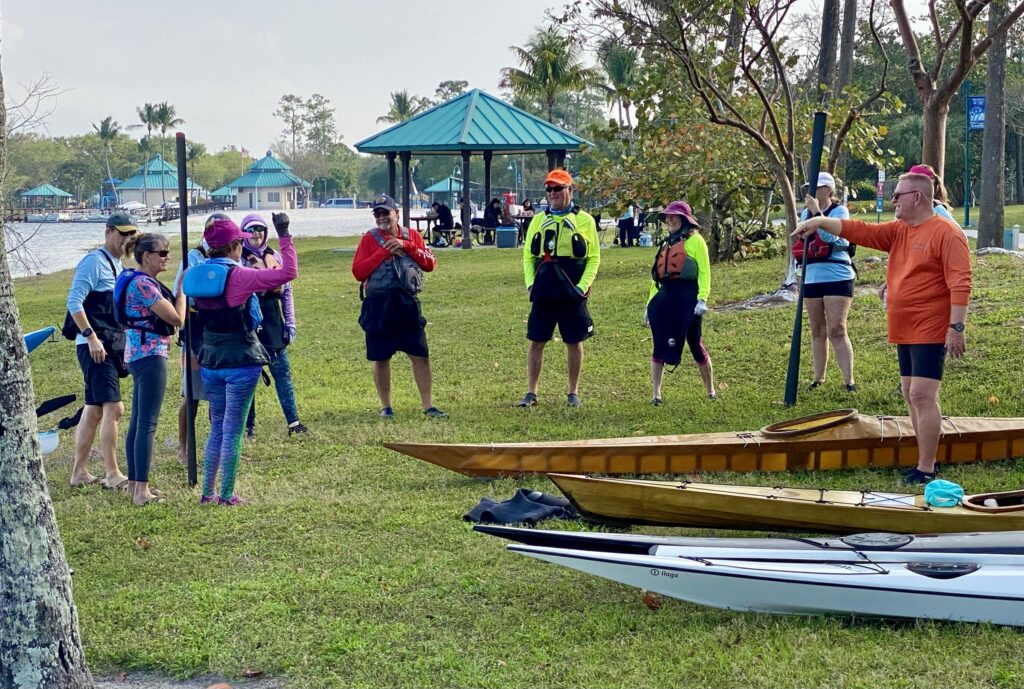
column 224, row 191
column 45, row 190
column 476, row 121
column 442, row 186
column 159, row 175
column 269, row 171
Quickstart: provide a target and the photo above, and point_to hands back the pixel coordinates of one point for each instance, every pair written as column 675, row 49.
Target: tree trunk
column 40, row 646
column 1019, row 175
column 993, row 148
column 845, row 69
column 933, row 147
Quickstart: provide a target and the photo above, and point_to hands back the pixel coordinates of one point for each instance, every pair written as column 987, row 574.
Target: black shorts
column 839, row 288
column 382, row 346
column 921, row 360
column 572, row 318
column 102, row 383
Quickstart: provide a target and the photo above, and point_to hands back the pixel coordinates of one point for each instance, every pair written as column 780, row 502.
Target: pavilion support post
column 467, row 209
column 391, row 174
column 552, row 159
column 488, row 157
column 560, row 158
column 406, row 186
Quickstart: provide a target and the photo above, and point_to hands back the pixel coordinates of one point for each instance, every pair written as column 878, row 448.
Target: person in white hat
column 828, row 284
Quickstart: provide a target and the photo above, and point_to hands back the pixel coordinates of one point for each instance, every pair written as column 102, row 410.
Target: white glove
column 647, row 321
column 700, row 309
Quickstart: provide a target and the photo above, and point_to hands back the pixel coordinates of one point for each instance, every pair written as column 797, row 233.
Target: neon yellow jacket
column 565, row 226
column 697, row 248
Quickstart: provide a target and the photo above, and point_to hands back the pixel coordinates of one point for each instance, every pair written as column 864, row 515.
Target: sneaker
column 815, row 384
column 233, row 501
column 529, row 399
column 250, row 432
column 915, row 476
column 656, row 401
column 387, row 413
column 435, row 413
column 713, row 397
column 852, row 387
column 297, row 428
column 573, row 400
column 208, row 500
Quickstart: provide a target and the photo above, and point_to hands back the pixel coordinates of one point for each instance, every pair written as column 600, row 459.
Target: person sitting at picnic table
column 492, row 218
column 526, row 211
column 444, row 225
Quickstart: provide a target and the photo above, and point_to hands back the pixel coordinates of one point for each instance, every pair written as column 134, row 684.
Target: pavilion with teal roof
column 157, row 177
column 45, row 196
column 269, row 183
column 473, row 123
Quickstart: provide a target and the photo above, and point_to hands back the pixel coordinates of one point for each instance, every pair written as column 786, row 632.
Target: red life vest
column 818, row 250
column 672, row 261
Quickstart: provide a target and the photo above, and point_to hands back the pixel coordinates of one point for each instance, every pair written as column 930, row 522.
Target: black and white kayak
column 964, row 577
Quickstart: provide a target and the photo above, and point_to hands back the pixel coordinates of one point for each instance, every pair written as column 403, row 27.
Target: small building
column 225, row 194
column 158, row 184
column 269, row 184
column 45, row 196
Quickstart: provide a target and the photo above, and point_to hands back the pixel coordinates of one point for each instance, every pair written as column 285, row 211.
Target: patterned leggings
column 281, row 369
column 230, row 392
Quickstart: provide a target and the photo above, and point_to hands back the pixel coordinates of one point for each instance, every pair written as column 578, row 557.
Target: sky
column 224, row 64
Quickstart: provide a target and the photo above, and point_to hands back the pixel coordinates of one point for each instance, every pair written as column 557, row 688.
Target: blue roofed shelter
column 269, row 183
column 473, row 123
column 45, row 196
column 157, row 175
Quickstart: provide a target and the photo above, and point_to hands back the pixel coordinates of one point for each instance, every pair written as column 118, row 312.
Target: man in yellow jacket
column 561, row 255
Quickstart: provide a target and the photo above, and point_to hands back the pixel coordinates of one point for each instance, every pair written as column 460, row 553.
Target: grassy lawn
column 352, row 567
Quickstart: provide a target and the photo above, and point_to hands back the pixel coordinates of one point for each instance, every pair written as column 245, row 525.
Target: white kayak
column 942, row 589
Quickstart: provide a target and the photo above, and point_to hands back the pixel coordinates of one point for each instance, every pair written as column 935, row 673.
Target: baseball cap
column 222, row 232
column 386, row 202
column 681, row 208
column 122, row 222
column 253, row 220
column 826, row 180
column 559, row 177
column 925, row 170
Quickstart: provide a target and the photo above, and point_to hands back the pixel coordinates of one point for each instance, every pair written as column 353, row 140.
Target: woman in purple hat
column 278, row 330
column 232, row 356
column 677, row 302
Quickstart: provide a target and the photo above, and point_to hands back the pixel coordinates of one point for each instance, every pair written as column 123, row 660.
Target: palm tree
column 147, row 116
column 403, row 107
column 108, row 130
column 195, row 151
column 619, row 63
column 551, row 65
column 165, row 119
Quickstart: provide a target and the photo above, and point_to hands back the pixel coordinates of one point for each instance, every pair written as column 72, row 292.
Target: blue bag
column 207, row 280
column 941, row 493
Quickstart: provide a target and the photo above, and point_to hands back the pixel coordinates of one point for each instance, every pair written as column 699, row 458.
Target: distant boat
column 91, row 215
column 51, row 216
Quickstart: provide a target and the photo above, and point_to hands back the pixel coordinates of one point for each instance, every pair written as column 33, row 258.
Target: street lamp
column 515, row 182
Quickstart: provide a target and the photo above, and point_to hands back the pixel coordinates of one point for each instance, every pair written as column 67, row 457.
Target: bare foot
column 83, row 480
column 115, row 481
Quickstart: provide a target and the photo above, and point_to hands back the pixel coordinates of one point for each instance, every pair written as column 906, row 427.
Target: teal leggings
column 230, row 392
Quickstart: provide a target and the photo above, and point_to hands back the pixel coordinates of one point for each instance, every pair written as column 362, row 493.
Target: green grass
column 353, row 566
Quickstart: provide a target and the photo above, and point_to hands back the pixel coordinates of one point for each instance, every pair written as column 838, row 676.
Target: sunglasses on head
column 555, row 188
column 381, row 213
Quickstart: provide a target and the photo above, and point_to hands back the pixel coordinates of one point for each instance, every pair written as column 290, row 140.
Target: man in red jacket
column 389, row 263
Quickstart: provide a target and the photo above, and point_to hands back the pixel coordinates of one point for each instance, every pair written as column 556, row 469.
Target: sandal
column 120, row 485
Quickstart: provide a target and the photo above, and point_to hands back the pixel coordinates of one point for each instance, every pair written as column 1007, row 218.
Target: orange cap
column 559, row 177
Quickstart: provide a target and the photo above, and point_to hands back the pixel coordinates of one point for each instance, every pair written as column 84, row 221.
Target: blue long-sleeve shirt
column 92, row 274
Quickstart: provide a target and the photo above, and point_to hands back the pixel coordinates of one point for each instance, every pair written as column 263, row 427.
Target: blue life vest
column 147, row 324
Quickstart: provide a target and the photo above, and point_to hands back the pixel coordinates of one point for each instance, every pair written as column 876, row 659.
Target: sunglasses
column 381, row 213
column 257, row 230
column 896, row 197
column 129, row 233
column 554, row 189
column 162, row 254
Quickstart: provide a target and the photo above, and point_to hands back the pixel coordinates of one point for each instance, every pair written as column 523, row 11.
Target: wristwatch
column 87, row 332
column 959, row 327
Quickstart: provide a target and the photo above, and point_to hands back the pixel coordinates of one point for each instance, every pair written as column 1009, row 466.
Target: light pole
column 515, row 182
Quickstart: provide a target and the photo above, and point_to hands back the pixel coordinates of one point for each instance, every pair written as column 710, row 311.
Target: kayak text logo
column 664, row 573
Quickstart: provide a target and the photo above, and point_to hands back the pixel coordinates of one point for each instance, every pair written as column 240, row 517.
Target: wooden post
column 405, row 155
column 467, row 213
column 488, row 157
column 391, row 174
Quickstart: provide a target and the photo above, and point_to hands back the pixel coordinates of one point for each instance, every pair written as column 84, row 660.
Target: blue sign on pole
column 976, row 112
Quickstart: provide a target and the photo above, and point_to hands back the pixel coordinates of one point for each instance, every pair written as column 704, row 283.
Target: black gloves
column 281, row 222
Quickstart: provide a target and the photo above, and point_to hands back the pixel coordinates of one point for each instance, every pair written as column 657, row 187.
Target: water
column 50, row 247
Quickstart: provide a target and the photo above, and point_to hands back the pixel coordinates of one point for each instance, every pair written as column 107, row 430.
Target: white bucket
column 48, row 441
column 645, row 239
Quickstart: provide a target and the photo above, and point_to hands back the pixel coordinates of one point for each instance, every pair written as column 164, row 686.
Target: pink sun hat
column 681, row 208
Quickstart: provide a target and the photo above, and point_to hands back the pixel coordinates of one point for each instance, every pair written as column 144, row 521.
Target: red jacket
column 370, row 254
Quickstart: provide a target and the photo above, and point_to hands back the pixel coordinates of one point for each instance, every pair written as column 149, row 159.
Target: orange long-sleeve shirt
column 929, row 270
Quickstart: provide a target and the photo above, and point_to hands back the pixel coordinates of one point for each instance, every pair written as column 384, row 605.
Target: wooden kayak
column 833, row 440
column 707, row 505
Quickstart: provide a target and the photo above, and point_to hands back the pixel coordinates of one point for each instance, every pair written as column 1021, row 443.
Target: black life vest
column 147, row 325
column 229, row 340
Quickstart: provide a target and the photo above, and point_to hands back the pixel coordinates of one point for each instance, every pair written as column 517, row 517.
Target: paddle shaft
column 187, row 330
column 813, row 168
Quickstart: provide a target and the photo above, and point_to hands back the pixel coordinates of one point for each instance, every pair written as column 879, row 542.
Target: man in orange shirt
column 929, row 277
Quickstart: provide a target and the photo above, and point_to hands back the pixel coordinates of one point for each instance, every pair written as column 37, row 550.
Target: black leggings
column 149, row 381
